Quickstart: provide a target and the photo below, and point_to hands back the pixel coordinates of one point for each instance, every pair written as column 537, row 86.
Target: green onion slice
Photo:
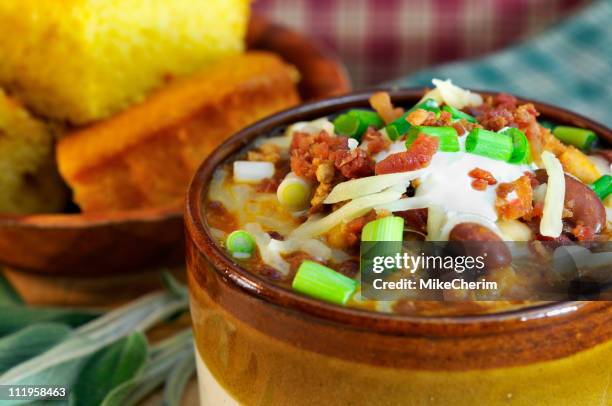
column 578, row 137
column 294, row 192
column 458, row 114
column 447, row 136
column 240, row 244
column 603, row 186
column 520, row 150
column 355, row 122
column 390, row 228
column 489, row 144
column 427, row 104
column 398, row 128
column 321, row 282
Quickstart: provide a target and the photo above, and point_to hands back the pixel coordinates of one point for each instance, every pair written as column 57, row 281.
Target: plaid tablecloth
column 382, row 39
column 570, row 66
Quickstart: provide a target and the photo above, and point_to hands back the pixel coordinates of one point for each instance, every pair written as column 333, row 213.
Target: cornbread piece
column 82, row 60
column 146, row 155
column 29, row 182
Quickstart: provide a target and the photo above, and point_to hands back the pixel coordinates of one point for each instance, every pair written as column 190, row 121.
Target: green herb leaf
column 164, row 358
column 8, row 294
column 14, row 318
column 30, row 342
column 109, row 368
column 61, row 364
column 174, row 286
column 179, row 376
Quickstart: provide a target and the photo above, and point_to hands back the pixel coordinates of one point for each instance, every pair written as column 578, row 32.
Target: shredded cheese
column 454, row 96
column 356, row 188
column 349, row 211
column 552, row 217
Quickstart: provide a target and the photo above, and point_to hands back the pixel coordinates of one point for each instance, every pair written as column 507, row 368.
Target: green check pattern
column 569, row 66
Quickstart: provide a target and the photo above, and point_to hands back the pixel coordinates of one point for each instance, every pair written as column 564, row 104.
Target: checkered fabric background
column 570, row 65
column 382, row 39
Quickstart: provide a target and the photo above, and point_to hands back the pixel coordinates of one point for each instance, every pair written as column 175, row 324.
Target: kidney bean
column 482, row 242
column 415, row 219
column 587, row 210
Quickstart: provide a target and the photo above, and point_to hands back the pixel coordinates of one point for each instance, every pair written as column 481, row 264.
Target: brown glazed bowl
column 258, row 343
column 111, row 243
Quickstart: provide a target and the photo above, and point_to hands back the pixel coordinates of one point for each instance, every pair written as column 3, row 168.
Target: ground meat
column 583, row 233
column 353, row 228
column 376, row 141
column 309, row 150
column 519, row 205
column 268, row 185
column 463, row 127
column 295, row 259
column 354, row 164
column 265, row 153
column 217, row 216
column 418, row 156
column 349, row 268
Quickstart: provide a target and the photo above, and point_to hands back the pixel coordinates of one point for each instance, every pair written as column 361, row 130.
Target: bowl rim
column 198, row 234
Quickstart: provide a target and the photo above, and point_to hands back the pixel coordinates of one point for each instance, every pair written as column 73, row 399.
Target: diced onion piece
column 455, row 96
column 312, row 127
column 552, row 216
column 269, row 249
column 321, row 282
column 467, row 218
column 252, row 171
column 348, row 212
column 294, row 192
column 352, row 143
column 356, row 188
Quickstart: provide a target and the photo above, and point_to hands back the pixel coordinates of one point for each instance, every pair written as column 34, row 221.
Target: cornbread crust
column 146, row 155
column 29, row 182
column 84, row 60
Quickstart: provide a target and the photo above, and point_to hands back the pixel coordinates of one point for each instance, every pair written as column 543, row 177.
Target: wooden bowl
column 107, row 243
column 250, row 332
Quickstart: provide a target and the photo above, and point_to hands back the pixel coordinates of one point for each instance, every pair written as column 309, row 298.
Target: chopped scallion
column 603, row 186
column 457, row 114
column 397, row 128
column 321, row 282
column 240, row 244
column 427, row 104
column 447, row 136
column 489, row 144
column 520, row 151
column 578, row 137
column 355, row 122
column 390, row 228
column 294, row 193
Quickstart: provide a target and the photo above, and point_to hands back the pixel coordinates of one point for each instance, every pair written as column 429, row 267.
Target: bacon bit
column 463, row 127
column 444, row 120
column 534, row 181
column 583, row 233
column 381, row 102
column 308, row 151
column 376, row 141
column 419, row 116
column 418, row 156
column 354, row 164
column 480, row 184
column 519, row 206
column 478, row 173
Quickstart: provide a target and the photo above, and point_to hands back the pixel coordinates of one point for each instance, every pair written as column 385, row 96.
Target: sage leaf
column 180, row 374
column 109, row 368
column 14, row 318
column 30, row 342
column 61, row 364
column 164, row 357
column 8, row 294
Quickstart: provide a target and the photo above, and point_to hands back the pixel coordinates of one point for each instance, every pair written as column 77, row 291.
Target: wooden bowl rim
column 199, row 235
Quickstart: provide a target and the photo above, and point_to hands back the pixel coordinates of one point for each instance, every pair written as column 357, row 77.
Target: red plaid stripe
column 382, row 39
